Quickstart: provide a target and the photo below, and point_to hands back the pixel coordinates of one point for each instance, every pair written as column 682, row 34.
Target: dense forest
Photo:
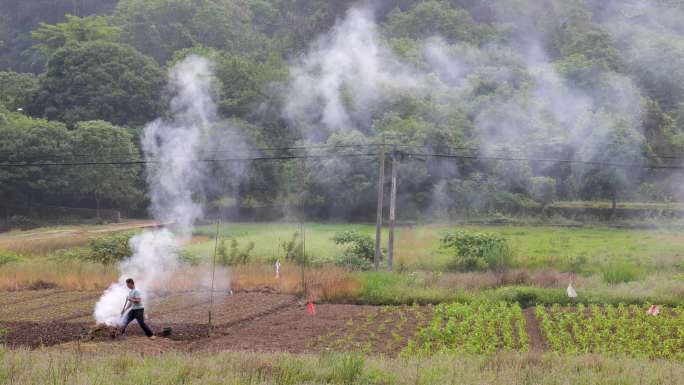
column 491, row 106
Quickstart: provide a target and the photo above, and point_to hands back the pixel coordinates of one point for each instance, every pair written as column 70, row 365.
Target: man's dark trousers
column 139, row 315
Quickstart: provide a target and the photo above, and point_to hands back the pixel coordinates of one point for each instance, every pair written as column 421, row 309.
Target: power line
column 501, row 149
column 237, row 151
column 210, row 160
column 543, row 160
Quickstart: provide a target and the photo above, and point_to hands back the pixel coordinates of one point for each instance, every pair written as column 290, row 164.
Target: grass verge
column 24, row 367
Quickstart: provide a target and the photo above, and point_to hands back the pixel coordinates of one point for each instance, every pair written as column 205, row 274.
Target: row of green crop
column 472, row 328
column 621, row 330
column 485, row 327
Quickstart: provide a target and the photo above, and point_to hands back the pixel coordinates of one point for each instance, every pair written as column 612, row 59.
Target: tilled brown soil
column 253, row 321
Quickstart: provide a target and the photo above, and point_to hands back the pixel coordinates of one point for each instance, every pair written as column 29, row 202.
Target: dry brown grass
column 43, row 241
column 66, row 275
column 41, row 244
column 488, row 280
column 322, row 284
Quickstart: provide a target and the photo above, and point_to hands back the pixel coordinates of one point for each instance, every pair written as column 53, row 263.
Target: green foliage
column 475, row 328
column 110, row 249
column 613, row 330
column 436, row 17
column 234, row 255
column 294, row 249
column 346, row 369
column 113, row 183
column 620, row 272
column 72, row 88
column 476, row 251
column 360, row 249
column 74, row 30
column 161, row 27
column 16, row 90
column 544, row 190
column 24, row 138
column 7, row 257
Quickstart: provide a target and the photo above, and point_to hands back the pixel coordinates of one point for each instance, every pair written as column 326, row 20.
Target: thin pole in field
column 378, row 220
column 392, row 210
column 213, row 270
column 302, row 250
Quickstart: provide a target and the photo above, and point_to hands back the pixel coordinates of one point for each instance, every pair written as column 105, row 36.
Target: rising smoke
column 348, row 76
column 175, row 182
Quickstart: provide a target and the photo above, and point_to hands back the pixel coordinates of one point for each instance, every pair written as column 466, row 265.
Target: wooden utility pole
column 392, row 210
column 378, row 220
column 213, row 270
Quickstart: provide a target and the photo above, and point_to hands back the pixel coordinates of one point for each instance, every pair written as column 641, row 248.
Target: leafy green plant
column 110, row 249
column 294, row 249
column 7, row 257
column 613, row 330
column 235, row 255
column 476, row 251
column 475, row 328
column 360, row 250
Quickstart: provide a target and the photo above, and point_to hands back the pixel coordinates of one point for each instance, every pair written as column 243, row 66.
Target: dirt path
column 537, row 340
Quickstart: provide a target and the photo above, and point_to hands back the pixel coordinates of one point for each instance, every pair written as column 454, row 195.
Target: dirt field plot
column 385, row 330
column 15, row 297
column 48, row 307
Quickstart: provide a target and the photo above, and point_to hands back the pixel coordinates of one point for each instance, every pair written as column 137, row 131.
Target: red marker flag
column 311, row 309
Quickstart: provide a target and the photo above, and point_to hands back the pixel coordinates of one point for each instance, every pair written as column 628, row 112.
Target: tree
column 161, row 27
column 23, row 139
column 436, row 17
column 100, row 80
column 16, row 89
column 544, row 190
column 75, row 29
column 610, row 153
column 113, row 183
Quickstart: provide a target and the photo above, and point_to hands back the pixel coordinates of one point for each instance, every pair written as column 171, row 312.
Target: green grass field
column 533, row 247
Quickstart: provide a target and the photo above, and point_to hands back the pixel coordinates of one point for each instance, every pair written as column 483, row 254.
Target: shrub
column 110, row 249
column 294, row 249
column 476, row 251
column 234, row 256
column 6, row 258
column 360, row 250
column 620, row 272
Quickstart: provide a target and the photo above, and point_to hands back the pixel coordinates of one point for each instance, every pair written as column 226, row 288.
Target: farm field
column 270, row 322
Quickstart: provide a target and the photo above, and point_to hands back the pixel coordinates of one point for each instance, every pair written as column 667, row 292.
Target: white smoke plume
column 341, row 83
column 175, row 182
column 345, row 73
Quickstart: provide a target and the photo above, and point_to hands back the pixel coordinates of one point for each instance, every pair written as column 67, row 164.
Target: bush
column 294, row 249
column 360, row 250
column 476, row 251
column 234, row 256
column 620, row 272
column 6, row 257
column 110, row 249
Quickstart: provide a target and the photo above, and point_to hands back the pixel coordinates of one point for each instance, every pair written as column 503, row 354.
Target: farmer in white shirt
column 134, row 303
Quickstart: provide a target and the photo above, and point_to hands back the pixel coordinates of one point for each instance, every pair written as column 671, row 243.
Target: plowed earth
column 255, row 321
